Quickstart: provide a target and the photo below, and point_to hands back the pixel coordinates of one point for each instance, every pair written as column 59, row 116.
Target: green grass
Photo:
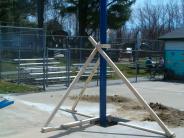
column 129, row 72
column 8, row 66
column 8, row 87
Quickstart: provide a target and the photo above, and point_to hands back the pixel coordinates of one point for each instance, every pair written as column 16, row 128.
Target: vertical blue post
column 103, row 37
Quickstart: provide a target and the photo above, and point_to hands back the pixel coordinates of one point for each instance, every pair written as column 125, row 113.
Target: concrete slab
column 30, row 111
column 91, row 132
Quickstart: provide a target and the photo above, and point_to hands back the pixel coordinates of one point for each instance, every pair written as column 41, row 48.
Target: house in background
column 174, row 54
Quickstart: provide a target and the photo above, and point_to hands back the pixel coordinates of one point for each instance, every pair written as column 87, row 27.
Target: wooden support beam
column 130, row 86
column 105, row 46
column 75, row 112
column 98, row 48
column 69, row 125
column 85, row 85
column 142, row 128
column 76, row 79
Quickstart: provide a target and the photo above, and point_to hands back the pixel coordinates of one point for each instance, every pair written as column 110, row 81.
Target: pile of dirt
column 170, row 116
column 124, row 102
column 110, row 99
column 133, row 110
column 157, row 106
column 130, row 106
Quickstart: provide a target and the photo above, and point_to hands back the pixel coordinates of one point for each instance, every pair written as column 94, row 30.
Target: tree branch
column 110, row 3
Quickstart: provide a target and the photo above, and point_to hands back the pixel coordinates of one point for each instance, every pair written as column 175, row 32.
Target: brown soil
column 133, row 110
column 110, row 99
column 172, row 117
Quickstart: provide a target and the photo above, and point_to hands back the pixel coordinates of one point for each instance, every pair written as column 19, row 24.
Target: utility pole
column 103, row 63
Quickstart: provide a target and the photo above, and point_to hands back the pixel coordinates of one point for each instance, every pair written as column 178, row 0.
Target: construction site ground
column 27, row 116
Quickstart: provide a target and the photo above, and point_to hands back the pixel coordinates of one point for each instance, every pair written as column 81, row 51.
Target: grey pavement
column 30, row 111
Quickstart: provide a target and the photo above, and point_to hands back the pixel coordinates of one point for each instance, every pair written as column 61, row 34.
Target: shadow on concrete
column 82, row 130
column 125, row 134
column 71, row 130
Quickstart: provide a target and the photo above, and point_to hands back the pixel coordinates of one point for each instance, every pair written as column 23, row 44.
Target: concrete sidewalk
column 30, row 111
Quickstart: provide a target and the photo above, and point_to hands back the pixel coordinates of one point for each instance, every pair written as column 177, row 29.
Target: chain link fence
column 28, row 55
column 18, row 46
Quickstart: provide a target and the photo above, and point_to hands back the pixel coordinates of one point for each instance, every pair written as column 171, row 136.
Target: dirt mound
column 157, row 106
column 124, row 102
column 110, row 99
column 133, row 110
column 170, row 116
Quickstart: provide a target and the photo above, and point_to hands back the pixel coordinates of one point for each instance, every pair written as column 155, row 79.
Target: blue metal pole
column 103, row 37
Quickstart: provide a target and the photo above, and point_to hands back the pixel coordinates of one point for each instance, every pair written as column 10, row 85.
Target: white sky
column 139, row 3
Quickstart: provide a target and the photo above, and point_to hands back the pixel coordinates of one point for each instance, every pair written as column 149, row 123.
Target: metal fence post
column 137, row 48
column 66, row 52
column 68, row 62
column 80, row 51
column 44, row 70
column 19, row 56
column 0, row 64
column 47, row 69
column 136, row 64
column 43, row 44
column 0, row 56
column 66, row 65
column 65, row 59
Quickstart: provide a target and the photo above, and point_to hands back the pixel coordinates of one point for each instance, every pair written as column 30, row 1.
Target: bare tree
column 155, row 20
column 182, row 12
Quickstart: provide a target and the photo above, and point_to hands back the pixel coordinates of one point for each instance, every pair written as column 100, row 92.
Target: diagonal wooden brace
column 130, row 86
column 86, row 83
column 76, row 79
column 69, row 125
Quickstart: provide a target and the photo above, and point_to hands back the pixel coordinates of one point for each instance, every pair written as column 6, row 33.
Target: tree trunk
column 82, row 17
column 40, row 12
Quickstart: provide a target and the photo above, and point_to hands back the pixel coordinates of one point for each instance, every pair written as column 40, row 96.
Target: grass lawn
column 8, row 87
column 8, row 66
column 129, row 72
